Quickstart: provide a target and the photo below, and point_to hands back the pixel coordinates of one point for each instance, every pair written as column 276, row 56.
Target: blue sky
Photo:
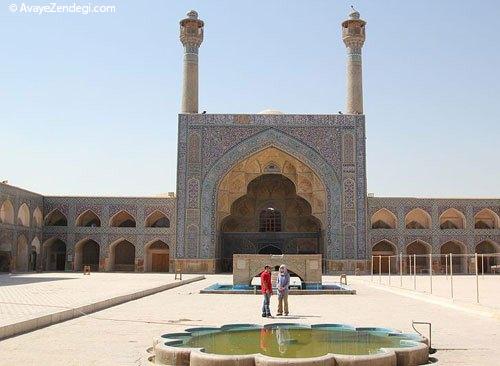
column 88, row 104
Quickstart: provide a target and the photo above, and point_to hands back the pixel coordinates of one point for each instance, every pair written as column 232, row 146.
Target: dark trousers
column 265, row 304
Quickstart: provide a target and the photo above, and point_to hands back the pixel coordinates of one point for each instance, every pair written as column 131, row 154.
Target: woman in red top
column 267, row 290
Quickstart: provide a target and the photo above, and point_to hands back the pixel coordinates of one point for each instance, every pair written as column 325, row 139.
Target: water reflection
column 286, row 340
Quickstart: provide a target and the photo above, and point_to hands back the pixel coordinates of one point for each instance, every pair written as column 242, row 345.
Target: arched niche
column 122, row 256
column 56, row 218
column 382, row 252
column 54, row 254
column 87, row 252
column 418, row 219
column 36, row 254
column 270, row 218
column 157, row 219
column 122, row 219
column 22, row 255
column 457, row 249
column 487, row 255
column 23, row 215
column 88, row 218
column 486, row 219
column 451, row 219
column 383, row 219
column 38, row 217
column 419, row 250
column 7, row 212
column 234, row 184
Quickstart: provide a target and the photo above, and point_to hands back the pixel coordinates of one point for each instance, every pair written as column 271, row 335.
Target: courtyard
column 463, row 333
column 28, row 299
column 115, row 191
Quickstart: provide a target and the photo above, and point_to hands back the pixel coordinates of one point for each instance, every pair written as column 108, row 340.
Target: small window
column 272, row 168
column 269, row 220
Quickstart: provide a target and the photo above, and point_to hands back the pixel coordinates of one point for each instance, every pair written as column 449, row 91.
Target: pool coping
column 165, row 354
column 291, row 291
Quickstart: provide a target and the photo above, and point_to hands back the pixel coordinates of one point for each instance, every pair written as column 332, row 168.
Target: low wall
column 247, row 266
column 348, row 266
column 196, row 265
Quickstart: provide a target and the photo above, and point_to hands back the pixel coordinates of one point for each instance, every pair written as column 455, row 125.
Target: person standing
column 283, row 284
column 266, row 288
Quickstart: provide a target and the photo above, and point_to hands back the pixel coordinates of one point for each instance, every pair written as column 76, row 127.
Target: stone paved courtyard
column 27, row 296
column 121, row 334
column 464, row 289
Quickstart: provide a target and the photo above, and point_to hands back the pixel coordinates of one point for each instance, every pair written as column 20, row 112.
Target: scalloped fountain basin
column 273, row 344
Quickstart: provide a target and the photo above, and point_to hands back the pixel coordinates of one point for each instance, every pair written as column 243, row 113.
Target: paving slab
column 465, row 287
column 32, row 301
column 121, row 334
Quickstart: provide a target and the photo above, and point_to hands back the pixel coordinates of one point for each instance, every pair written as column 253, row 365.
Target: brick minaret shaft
column 353, row 35
column 191, row 36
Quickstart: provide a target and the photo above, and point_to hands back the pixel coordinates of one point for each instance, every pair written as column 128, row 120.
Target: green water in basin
column 290, row 342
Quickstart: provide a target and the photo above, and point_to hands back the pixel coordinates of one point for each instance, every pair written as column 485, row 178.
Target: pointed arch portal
column 317, row 195
column 87, row 254
column 122, row 256
column 54, row 255
column 382, row 253
column 157, row 257
column 277, row 211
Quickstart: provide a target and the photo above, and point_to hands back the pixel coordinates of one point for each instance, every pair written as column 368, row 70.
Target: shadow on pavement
column 14, row 280
column 287, row 317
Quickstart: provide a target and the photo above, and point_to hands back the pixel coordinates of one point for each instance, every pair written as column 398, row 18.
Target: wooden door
column 159, row 262
column 60, row 261
column 384, row 265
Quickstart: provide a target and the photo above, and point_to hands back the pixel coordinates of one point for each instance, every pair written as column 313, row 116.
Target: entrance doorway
column 270, row 249
column 87, row 254
column 159, row 262
column 60, row 261
column 486, row 261
column 55, row 255
column 382, row 252
column 157, row 257
column 4, row 262
column 122, row 256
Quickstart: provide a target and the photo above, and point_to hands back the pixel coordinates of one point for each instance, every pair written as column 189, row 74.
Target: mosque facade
column 266, row 183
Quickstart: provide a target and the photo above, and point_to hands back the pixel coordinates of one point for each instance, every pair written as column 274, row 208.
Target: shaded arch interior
column 122, row 219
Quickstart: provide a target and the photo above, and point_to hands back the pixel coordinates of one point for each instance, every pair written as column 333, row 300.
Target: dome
column 192, row 14
column 270, row 111
column 354, row 15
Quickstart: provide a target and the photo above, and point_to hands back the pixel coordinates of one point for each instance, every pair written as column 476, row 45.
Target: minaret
column 353, row 35
column 191, row 36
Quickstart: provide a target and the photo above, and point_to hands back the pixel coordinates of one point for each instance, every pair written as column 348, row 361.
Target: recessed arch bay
column 7, row 212
column 87, row 252
column 269, row 215
column 235, row 183
column 320, row 174
column 56, row 218
column 418, row 219
column 88, row 218
column 157, row 219
column 452, row 219
column 383, row 219
column 486, row 219
column 23, row 215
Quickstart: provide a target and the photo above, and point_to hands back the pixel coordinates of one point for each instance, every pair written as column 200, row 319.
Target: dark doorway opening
column 270, row 249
